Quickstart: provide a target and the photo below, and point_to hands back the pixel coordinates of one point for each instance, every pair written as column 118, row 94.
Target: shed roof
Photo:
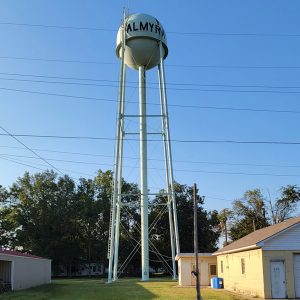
column 181, row 255
column 17, row 253
column 251, row 240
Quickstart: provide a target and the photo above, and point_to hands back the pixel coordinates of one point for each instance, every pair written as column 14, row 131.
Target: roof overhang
column 10, row 256
column 190, row 255
column 252, row 247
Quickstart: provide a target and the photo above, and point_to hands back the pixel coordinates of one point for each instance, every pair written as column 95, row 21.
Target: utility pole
column 225, row 230
column 196, row 272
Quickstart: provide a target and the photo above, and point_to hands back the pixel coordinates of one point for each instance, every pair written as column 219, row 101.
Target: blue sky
column 218, row 61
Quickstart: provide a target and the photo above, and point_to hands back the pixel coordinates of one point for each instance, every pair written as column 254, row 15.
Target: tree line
column 255, row 211
column 68, row 221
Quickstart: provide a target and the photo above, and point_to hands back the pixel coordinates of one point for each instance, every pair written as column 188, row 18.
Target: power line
column 135, row 82
column 238, row 164
column 215, row 198
column 67, row 83
column 59, row 160
column 34, row 152
column 92, row 175
column 232, row 66
column 61, row 152
column 41, row 169
column 59, row 95
column 234, row 91
column 236, row 108
column 167, row 65
column 56, row 77
column 184, row 170
column 87, row 28
column 149, row 103
column 58, row 26
column 237, row 34
column 239, row 173
column 137, row 158
column 62, row 137
column 156, row 104
column 21, row 163
column 59, row 60
column 171, row 88
column 158, row 140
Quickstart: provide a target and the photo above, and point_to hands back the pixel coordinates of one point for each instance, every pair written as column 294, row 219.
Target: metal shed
column 22, row 270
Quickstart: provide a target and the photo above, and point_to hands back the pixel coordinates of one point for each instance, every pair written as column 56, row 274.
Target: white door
column 204, row 280
column 297, row 274
column 278, row 279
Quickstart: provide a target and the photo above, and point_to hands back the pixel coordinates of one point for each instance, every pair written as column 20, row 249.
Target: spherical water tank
column 143, row 35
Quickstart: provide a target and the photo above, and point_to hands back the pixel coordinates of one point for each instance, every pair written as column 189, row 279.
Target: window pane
column 213, row 269
column 243, row 265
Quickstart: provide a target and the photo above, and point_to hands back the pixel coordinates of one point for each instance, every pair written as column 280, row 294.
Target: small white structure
column 22, row 270
column 187, row 264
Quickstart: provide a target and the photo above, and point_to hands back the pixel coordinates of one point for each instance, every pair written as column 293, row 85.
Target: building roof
column 17, row 253
column 251, row 240
column 181, row 255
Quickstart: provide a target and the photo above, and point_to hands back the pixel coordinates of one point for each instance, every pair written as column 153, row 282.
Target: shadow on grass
column 84, row 289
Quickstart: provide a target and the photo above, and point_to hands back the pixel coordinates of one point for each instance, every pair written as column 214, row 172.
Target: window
column 221, row 266
column 243, row 265
column 213, row 270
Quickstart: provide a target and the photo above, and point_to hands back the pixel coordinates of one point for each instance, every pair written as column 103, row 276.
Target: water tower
column 141, row 45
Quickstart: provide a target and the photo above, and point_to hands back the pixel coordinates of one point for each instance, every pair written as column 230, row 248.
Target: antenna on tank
column 141, row 45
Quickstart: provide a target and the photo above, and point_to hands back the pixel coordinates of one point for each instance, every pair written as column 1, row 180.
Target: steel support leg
column 143, row 172
column 119, row 188
column 168, row 184
column 169, row 150
column 116, row 163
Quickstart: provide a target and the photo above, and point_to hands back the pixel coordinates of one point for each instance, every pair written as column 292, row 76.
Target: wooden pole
column 196, row 272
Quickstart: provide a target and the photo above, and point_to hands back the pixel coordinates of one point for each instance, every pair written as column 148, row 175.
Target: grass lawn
column 91, row 289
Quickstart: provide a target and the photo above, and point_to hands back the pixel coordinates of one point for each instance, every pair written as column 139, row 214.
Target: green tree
column 208, row 224
column 285, row 205
column 224, row 216
column 52, row 216
column 249, row 214
column 8, row 224
column 47, row 214
column 3, row 196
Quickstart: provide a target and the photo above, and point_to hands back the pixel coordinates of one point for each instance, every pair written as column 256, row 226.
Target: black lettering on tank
column 151, row 26
column 157, row 29
column 128, row 28
column 134, row 28
column 144, row 27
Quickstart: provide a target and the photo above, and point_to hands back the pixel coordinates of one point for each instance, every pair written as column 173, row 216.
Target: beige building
column 21, row 270
column 186, row 264
column 265, row 263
